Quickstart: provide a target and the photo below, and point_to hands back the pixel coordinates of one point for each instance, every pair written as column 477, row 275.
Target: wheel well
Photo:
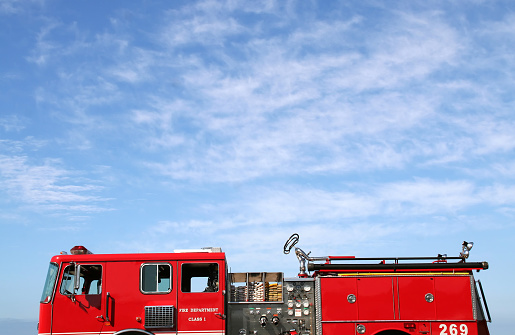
column 392, row 332
column 132, row 332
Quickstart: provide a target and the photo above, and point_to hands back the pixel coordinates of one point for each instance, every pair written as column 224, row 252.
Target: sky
column 370, row 128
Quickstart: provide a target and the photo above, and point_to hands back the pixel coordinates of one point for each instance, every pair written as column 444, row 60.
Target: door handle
column 108, row 297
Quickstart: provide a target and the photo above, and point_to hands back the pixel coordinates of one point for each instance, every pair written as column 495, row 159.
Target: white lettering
column 453, row 329
column 204, row 310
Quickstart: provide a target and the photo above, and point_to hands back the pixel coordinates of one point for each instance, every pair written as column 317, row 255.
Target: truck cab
column 135, row 294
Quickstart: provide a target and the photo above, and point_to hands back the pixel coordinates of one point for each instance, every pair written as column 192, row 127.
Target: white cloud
column 282, row 108
column 48, row 186
column 135, row 70
column 427, row 197
column 207, row 25
column 413, row 206
column 12, row 123
column 498, row 194
column 231, row 100
column 242, row 104
column 45, row 46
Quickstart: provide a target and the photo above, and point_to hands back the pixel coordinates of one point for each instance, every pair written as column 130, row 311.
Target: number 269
column 453, row 329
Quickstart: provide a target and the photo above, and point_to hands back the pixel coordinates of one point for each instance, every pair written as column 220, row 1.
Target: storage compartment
column 256, row 286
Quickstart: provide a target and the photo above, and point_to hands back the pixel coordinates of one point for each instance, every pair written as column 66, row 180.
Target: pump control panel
column 292, row 313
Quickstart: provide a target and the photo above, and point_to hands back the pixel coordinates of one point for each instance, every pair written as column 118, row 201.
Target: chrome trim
column 318, row 307
column 141, row 278
column 474, row 298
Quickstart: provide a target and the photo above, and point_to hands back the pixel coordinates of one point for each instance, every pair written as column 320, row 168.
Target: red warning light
column 79, row 250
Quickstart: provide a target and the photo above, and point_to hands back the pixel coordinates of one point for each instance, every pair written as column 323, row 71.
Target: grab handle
column 108, row 297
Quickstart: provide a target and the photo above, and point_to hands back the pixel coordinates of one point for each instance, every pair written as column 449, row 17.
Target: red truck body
column 192, row 293
column 419, row 301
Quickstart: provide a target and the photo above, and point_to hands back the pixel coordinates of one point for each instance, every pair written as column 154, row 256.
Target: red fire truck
column 191, row 292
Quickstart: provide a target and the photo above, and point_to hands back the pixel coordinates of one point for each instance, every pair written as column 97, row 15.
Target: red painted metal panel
column 339, row 328
column 375, row 298
column 335, row 306
column 139, row 257
column 45, row 315
column 78, row 313
column 201, row 311
column 453, row 298
column 122, row 300
column 127, row 305
column 412, row 302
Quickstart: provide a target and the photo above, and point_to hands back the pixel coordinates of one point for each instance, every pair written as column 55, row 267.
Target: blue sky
column 370, row 128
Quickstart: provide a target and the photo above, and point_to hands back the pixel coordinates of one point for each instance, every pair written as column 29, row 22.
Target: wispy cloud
column 48, row 186
column 301, row 101
column 9, row 6
column 12, row 123
column 358, row 125
column 351, row 213
column 299, row 111
column 225, row 99
column 45, row 45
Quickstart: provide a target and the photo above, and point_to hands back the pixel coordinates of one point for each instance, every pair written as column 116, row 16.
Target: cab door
column 201, row 297
column 79, row 301
column 141, row 295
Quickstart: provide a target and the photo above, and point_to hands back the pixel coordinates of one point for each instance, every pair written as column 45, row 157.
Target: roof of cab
column 173, row 256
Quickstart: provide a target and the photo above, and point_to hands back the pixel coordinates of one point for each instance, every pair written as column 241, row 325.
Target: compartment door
column 416, row 298
column 375, row 298
column 200, row 298
column 338, row 297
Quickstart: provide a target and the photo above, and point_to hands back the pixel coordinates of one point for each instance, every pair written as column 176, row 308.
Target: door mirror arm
column 76, row 281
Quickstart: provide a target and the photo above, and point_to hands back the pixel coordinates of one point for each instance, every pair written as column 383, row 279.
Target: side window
column 156, row 278
column 199, row 277
column 90, row 280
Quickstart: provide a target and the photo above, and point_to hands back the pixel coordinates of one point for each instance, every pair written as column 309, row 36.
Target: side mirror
column 76, row 281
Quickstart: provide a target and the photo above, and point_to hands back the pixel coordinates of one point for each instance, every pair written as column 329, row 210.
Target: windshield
column 49, row 283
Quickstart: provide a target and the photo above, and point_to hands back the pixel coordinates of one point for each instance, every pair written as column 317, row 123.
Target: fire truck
column 191, row 292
